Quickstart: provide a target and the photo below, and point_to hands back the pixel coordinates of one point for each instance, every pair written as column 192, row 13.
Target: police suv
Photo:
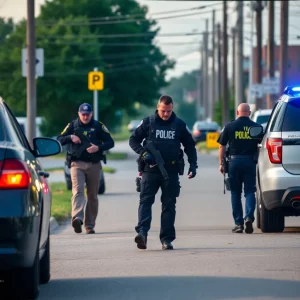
column 278, row 168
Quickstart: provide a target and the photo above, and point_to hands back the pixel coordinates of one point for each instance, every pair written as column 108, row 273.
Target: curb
column 53, row 224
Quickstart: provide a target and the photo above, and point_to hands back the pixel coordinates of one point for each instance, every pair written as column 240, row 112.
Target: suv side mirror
column 256, row 132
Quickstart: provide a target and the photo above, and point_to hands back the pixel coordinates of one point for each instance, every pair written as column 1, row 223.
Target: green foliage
column 74, row 42
column 6, row 27
column 219, row 109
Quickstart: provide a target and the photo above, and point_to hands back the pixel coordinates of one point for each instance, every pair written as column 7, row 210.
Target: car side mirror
column 256, row 132
column 46, row 147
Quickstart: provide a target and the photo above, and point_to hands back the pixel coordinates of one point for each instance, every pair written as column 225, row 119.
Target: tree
column 177, row 89
column 74, row 43
column 6, row 27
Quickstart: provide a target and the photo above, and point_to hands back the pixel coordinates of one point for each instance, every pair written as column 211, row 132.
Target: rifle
column 150, row 147
column 85, row 142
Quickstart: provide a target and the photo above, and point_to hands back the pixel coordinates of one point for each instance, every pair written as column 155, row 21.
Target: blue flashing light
column 292, row 91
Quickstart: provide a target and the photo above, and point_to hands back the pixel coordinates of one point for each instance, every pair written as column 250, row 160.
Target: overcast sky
column 185, row 49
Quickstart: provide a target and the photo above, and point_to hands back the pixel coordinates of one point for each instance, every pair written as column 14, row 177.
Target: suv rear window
column 291, row 117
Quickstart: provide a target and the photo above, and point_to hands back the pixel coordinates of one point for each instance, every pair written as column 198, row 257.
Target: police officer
column 85, row 165
column 168, row 133
column 243, row 153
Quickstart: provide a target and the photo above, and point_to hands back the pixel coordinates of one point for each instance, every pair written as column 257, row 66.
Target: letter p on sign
column 95, row 81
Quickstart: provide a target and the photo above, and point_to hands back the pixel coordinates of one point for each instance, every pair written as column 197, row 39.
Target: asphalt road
column 209, row 262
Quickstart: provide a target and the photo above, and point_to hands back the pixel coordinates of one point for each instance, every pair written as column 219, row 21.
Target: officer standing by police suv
column 167, row 133
column 85, row 164
column 243, row 153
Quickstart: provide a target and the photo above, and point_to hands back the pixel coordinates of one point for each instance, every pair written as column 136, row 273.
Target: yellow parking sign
column 95, row 81
column 211, row 140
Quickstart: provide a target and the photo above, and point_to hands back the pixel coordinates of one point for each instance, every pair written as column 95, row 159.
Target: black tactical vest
column 92, row 135
column 166, row 139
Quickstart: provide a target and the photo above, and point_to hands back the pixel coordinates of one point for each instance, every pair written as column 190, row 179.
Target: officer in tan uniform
column 86, row 139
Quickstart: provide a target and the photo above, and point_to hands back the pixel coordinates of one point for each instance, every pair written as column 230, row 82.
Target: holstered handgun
column 138, row 184
column 68, row 159
column 181, row 163
column 225, row 168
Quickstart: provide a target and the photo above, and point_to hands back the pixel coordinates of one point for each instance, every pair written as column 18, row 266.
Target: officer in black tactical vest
column 86, row 139
column 243, row 154
column 163, row 133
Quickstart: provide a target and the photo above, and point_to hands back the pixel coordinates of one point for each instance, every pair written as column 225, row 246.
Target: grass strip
column 61, row 201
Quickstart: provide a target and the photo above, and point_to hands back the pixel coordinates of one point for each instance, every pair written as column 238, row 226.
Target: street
column 209, row 262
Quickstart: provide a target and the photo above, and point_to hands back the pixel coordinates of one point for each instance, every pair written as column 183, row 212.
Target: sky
column 186, row 49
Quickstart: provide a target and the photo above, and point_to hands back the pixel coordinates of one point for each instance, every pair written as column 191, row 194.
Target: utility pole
column 239, row 51
column 205, row 75
column 233, row 33
column 31, row 85
column 219, row 62
column 270, row 50
column 283, row 56
column 258, row 58
column 199, row 86
column 250, row 80
column 213, row 72
column 225, row 115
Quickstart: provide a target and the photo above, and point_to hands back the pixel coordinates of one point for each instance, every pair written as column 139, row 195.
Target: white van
column 23, row 123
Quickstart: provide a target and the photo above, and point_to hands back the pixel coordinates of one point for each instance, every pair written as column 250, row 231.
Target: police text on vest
column 165, row 134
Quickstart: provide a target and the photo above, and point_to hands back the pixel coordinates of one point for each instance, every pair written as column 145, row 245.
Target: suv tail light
column 274, row 147
column 14, row 174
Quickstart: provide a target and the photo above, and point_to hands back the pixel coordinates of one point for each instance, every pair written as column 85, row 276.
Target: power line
column 125, row 35
column 113, row 18
column 90, row 23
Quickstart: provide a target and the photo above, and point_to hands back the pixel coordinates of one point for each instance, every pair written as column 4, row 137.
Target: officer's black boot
column 167, row 245
column 141, row 240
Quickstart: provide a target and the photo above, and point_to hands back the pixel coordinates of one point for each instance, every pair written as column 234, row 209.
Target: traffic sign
column 211, row 140
column 95, row 81
column 39, row 62
column 257, row 90
column 271, row 85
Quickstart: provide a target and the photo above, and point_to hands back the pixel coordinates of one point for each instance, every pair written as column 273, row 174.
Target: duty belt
column 241, row 156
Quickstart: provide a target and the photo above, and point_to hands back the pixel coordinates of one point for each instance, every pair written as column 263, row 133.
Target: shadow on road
column 173, row 288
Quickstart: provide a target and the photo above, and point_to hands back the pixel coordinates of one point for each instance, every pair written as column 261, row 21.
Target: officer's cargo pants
column 85, row 173
column 150, row 183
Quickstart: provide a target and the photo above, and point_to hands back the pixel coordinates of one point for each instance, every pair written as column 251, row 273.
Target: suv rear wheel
column 270, row 220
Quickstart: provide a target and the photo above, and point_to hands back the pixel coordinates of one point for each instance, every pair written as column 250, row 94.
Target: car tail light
column 274, row 147
column 196, row 132
column 14, row 175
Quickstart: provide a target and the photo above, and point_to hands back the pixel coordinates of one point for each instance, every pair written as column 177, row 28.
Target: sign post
column 95, row 83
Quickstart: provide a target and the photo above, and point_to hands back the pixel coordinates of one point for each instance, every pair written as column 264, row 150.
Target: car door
column 43, row 194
